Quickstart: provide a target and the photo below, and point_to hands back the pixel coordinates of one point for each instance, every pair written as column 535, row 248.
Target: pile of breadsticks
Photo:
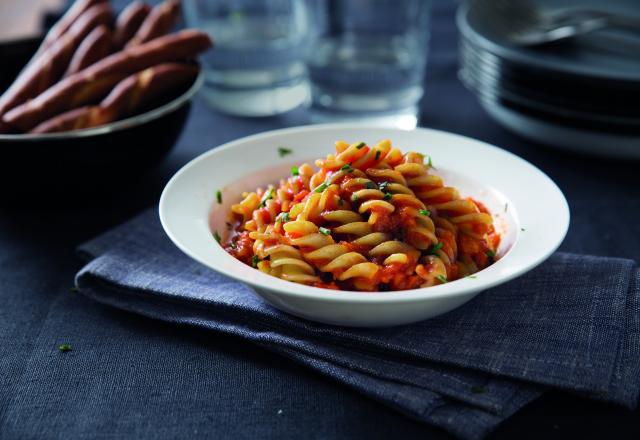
column 92, row 68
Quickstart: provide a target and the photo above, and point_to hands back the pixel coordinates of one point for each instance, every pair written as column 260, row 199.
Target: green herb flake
column 490, row 254
column 340, row 202
column 370, row 185
column 430, row 163
column 64, row 347
column 473, row 277
column 254, row 261
column 321, row 187
column 354, row 197
column 477, row 390
column 232, row 245
column 442, row 279
column 360, row 145
column 436, row 247
column 217, row 236
column 267, row 196
column 425, row 212
column 383, row 186
column 236, row 15
column 347, row 167
column 295, row 171
column 283, row 217
column 324, row 231
column 219, row 197
column 387, row 196
column 378, row 155
column 284, row 151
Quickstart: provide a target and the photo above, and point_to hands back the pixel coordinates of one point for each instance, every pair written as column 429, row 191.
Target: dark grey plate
column 596, row 56
column 580, row 96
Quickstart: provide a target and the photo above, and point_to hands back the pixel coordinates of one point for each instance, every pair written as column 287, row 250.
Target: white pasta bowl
column 529, row 211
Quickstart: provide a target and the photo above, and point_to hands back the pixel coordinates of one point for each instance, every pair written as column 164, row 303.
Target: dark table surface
column 224, row 387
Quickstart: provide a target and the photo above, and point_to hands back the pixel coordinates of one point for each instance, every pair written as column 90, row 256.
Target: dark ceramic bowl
column 81, row 162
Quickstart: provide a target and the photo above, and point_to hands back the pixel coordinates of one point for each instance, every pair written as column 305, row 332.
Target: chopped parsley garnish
column 378, row 155
column 64, row 347
column 295, row 171
column 473, row 277
column 490, row 253
column 424, row 212
column 383, row 186
column 347, row 167
column 284, row 151
column 354, row 197
column 430, row 163
column 232, row 245
column 321, row 187
column 442, row 279
column 477, row 390
column 360, row 145
column 216, row 236
column 436, row 247
column 254, row 261
column 387, row 196
column 324, row 231
column 283, row 217
column 370, row 185
column 340, row 202
column 267, row 196
column 219, row 197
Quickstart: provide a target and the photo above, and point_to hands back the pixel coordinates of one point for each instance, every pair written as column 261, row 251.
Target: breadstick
column 94, row 82
column 131, row 95
column 76, row 119
column 159, row 22
column 96, row 46
column 65, row 23
column 129, row 22
column 51, row 64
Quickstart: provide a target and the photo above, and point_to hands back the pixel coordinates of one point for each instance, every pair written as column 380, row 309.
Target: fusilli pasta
column 370, row 218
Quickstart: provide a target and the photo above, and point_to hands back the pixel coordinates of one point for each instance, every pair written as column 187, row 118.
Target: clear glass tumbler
column 369, row 60
column 257, row 65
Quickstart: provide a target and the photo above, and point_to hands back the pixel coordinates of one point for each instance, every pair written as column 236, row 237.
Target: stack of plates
column 582, row 94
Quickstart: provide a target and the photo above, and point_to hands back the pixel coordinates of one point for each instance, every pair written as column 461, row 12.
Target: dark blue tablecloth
column 128, row 376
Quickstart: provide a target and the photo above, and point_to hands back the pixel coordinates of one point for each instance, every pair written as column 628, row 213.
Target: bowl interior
column 517, row 193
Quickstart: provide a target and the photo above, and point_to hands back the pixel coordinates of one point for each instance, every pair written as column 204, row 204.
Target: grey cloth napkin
column 573, row 323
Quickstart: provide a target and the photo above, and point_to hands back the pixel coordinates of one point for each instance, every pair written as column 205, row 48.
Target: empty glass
column 369, row 61
column 256, row 67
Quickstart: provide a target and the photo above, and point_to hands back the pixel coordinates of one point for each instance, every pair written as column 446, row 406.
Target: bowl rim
column 464, row 287
column 115, row 126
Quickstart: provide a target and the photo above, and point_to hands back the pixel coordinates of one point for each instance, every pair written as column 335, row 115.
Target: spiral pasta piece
column 369, row 218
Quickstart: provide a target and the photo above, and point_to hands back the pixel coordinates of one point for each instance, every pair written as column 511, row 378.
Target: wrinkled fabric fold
column 572, row 323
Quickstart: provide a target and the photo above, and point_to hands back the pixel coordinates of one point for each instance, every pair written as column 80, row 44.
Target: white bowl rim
column 460, row 287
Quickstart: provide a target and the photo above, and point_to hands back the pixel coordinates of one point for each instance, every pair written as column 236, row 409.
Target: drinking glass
column 369, row 60
column 257, row 65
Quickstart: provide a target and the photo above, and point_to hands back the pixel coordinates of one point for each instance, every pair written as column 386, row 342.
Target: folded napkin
column 573, row 323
